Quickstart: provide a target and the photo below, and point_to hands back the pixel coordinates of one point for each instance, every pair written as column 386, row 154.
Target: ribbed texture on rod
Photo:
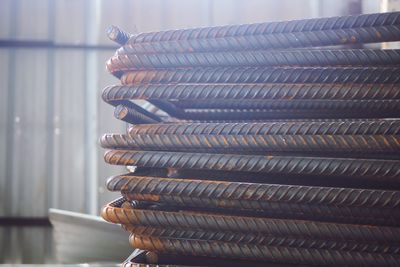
column 265, row 143
column 353, row 215
column 270, row 41
column 269, row 240
column 315, row 257
column 373, row 127
column 262, row 154
column 133, row 116
column 387, row 170
column 317, row 24
column 255, row 58
column 254, row 192
column 229, row 115
column 283, row 209
column 279, row 91
column 281, row 227
column 132, row 106
column 117, row 35
column 264, row 75
column 332, row 105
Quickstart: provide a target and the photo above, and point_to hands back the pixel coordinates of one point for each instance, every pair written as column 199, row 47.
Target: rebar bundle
column 259, row 150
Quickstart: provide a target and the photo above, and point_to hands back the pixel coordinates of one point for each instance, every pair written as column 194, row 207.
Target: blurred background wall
column 52, row 72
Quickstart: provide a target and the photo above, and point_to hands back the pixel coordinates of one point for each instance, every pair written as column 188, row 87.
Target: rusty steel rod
column 315, row 24
column 376, row 169
column 260, row 143
column 268, row 240
column 273, row 91
column 132, row 186
column 133, row 116
column 229, row 115
column 331, row 105
column 313, row 57
column 322, row 213
column 264, row 75
column 315, row 257
column 168, row 108
column 280, row 209
column 285, row 179
column 269, row 41
column 117, row 35
column 360, row 127
column 132, row 106
column 260, row 225
column 142, row 258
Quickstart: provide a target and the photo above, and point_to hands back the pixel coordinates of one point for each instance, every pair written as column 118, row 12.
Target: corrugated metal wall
column 51, row 114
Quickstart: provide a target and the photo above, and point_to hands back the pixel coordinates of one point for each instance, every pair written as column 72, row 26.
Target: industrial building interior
column 52, row 114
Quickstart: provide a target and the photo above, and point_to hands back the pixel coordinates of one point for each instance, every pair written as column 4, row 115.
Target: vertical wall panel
column 32, row 19
column 28, row 177
column 70, row 21
column 4, row 57
column 185, row 14
column 69, row 161
column 5, row 18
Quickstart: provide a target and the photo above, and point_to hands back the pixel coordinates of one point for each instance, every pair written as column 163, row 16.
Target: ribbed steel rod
column 229, row 115
column 334, row 105
column 268, row 240
column 352, row 215
column 381, row 170
column 117, row 35
column 372, row 127
column 260, row 225
column 168, row 108
column 142, row 258
column 286, row 179
column 316, row 257
column 359, row 214
column 280, row 209
column 133, row 116
column 221, row 190
column 264, row 75
column 270, row 41
column 132, row 106
column 275, row 91
column 264, row 143
column 313, row 57
column 316, row 24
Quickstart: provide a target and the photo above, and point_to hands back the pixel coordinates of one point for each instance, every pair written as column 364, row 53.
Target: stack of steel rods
column 260, row 146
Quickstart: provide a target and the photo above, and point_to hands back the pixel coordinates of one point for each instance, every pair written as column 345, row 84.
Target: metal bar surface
column 320, row 167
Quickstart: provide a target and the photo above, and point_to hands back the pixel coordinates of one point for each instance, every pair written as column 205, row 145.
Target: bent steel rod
column 133, row 116
column 315, row 24
column 362, row 214
column 380, row 170
column 248, row 91
column 331, row 105
column 256, row 143
column 260, row 225
column 317, row 257
column 268, row 240
column 340, row 197
column 372, row 127
column 117, row 35
column 314, row 57
column 135, row 108
column 265, row 75
column 229, row 115
column 269, row 41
